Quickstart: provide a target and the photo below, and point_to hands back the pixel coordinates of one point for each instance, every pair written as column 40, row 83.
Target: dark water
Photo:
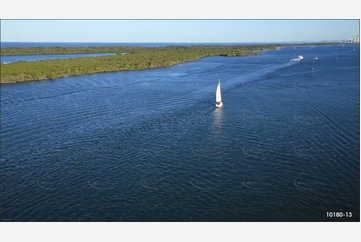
column 150, row 146
column 9, row 59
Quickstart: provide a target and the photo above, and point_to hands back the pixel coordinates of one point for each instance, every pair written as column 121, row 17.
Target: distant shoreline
column 136, row 58
column 18, row 44
column 57, row 48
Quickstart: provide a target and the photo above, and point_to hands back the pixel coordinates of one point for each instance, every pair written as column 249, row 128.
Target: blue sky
column 177, row 30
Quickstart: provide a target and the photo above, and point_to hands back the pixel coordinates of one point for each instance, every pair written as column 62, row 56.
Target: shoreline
column 137, row 58
column 149, row 68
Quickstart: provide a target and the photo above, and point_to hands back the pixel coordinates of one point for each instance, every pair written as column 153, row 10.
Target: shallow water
column 150, row 146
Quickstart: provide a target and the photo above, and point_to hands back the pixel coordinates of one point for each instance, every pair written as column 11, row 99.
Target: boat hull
column 219, row 105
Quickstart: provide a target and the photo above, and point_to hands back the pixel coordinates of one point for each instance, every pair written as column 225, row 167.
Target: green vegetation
column 137, row 59
column 65, row 50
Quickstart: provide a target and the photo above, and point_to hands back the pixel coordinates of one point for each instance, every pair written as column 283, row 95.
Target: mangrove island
column 136, row 58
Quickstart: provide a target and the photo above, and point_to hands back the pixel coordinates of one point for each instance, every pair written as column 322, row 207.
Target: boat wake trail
column 295, row 60
column 240, row 80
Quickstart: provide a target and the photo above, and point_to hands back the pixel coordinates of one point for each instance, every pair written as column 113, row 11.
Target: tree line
column 137, row 58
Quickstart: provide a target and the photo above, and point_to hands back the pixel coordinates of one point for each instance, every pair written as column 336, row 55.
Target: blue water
column 150, row 146
column 15, row 58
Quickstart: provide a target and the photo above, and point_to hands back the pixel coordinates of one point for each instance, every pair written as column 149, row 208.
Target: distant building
column 354, row 40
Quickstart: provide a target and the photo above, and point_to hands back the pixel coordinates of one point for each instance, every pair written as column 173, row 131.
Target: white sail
column 218, row 92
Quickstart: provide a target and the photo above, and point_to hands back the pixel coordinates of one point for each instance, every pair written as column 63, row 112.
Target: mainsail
column 218, row 92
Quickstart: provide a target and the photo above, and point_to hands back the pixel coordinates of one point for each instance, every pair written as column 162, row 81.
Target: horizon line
column 12, row 41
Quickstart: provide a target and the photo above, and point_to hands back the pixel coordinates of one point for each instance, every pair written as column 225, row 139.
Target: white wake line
column 230, row 83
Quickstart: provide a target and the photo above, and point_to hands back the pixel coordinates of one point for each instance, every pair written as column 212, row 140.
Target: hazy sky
column 177, row 30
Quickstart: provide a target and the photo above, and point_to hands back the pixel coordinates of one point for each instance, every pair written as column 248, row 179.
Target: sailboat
column 218, row 95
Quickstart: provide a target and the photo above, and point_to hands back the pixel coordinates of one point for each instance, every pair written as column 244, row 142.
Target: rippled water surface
column 150, row 146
